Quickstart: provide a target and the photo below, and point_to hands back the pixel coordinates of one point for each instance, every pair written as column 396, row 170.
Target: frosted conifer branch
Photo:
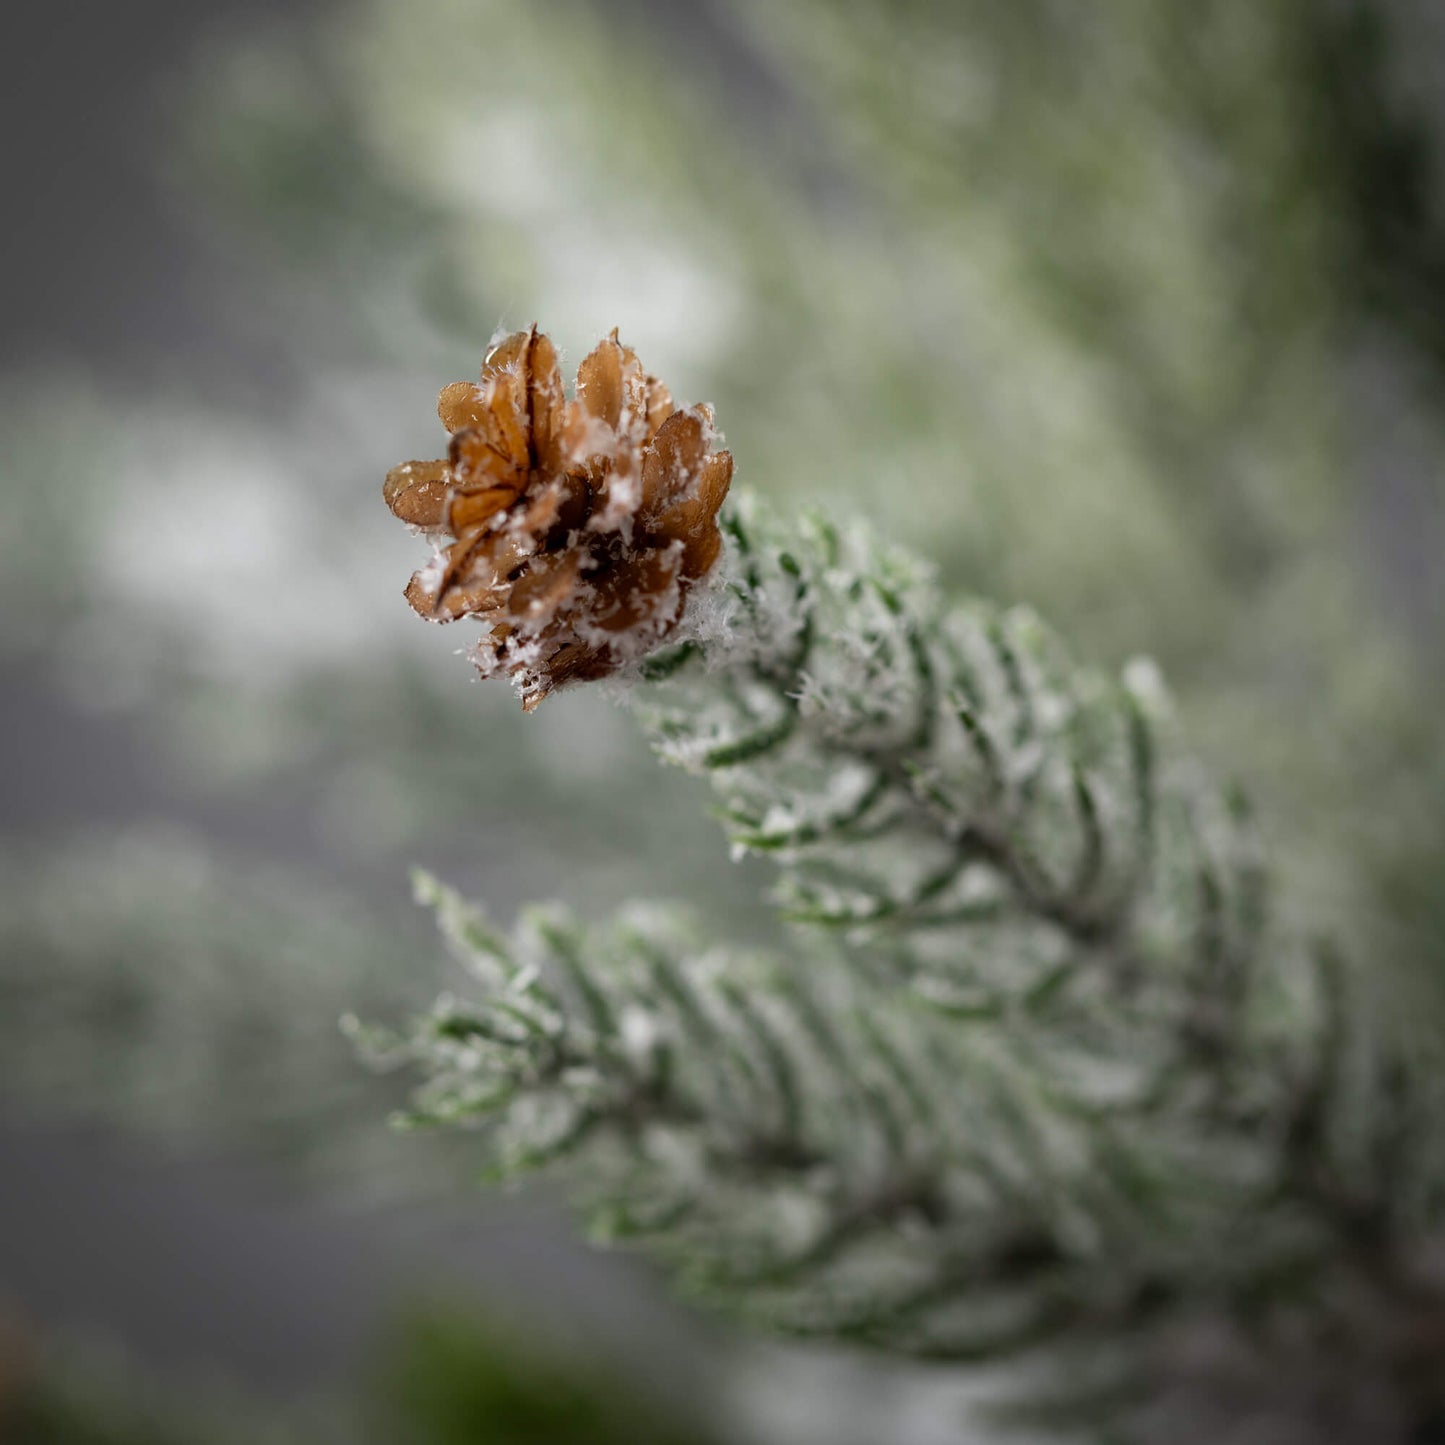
column 965, row 808
column 835, row 1158
column 1046, row 1073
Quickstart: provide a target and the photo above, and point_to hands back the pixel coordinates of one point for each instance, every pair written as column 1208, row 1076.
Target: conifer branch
column 832, row 1157
column 960, row 804
column 1045, row 1073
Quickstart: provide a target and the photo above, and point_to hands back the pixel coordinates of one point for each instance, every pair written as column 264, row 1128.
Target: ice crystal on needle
column 573, row 529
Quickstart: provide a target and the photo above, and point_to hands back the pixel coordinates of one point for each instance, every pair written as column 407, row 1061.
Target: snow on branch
column 1042, row 1068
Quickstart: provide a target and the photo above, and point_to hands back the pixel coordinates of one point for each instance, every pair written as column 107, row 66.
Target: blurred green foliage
column 163, row 984
column 1097, row 311
column 444, row 1377
column 455, row 1381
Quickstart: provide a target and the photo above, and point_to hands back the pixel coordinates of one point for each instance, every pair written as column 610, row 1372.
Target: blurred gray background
column 1133, row 315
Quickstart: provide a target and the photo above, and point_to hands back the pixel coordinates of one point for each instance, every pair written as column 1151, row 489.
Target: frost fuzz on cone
column 577, row 527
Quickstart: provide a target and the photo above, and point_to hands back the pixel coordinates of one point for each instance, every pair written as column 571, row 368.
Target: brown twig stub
column 572, row 530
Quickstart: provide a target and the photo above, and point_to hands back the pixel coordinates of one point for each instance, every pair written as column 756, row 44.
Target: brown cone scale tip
column 572, row 530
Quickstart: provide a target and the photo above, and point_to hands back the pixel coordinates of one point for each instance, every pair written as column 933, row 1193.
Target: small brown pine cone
column 576, row 527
